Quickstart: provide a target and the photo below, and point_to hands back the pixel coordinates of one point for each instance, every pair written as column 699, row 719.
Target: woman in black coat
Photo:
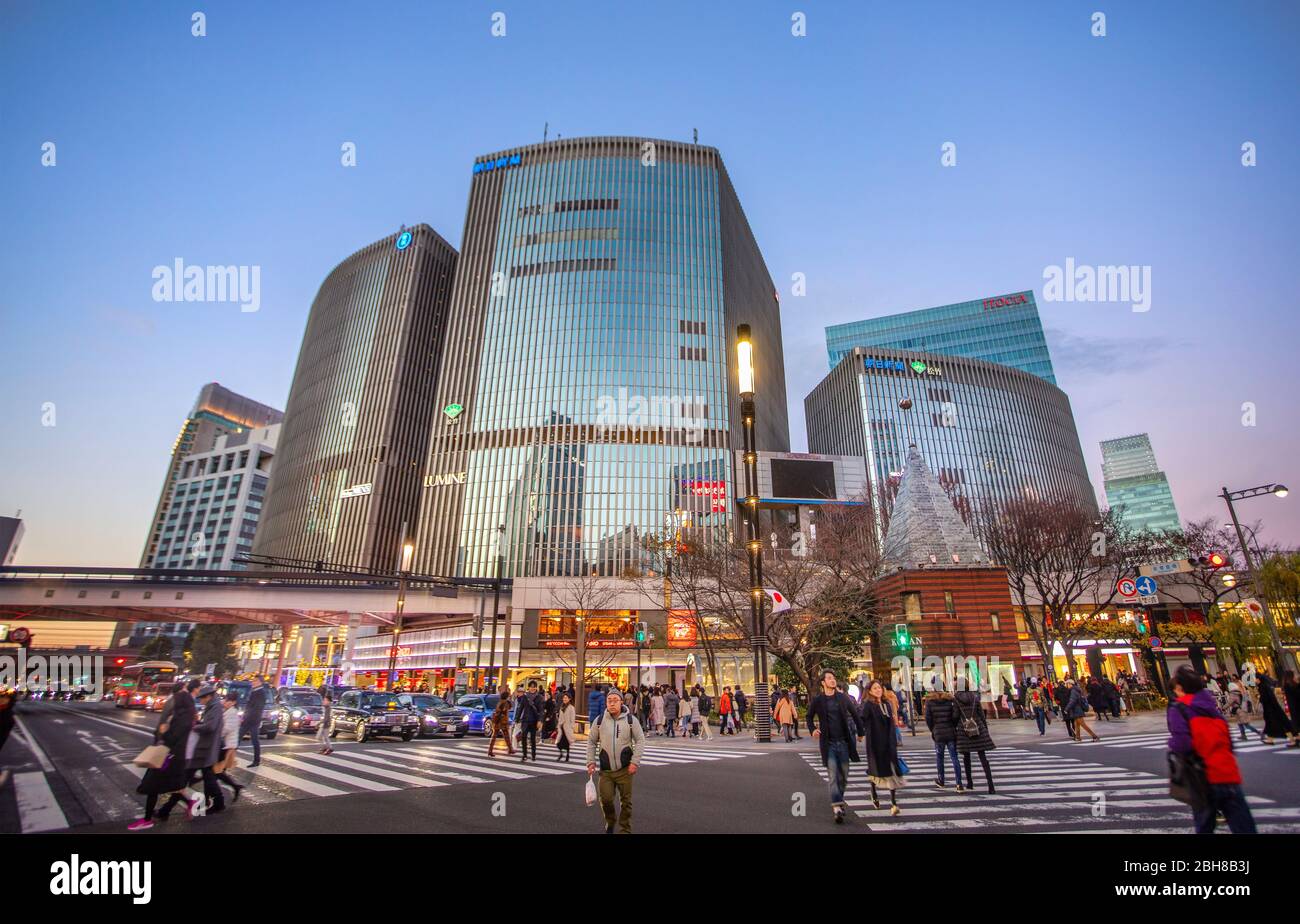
column 549, row 716
column 972, row 734
column 1275, row 724
column 173, row 732
column 883, row 768
column 1291, row 689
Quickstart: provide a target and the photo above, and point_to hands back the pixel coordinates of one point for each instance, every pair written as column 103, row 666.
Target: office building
column 990, row 433
column 1002, row 329
column 589, row 361
column 356, row 429
column 1135, row 483
column 217, row 412
column 11, row 534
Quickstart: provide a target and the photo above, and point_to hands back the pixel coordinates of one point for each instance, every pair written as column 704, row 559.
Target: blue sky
column 1124, row 149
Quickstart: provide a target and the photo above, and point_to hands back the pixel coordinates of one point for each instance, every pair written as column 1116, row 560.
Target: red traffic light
column 118, row 662
column 1216, row 559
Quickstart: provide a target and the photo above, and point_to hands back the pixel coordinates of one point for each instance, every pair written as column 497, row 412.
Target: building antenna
column 696, row 132
column 546, row 132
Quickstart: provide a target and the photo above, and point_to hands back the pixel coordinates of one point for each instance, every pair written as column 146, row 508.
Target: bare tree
column 583, row 595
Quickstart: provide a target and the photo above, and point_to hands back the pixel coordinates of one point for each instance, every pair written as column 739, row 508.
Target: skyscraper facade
column 1002, row 329
column 587, row 384
column 990, row 433
column 217, row 412
column 1135, row 483
column 356, row 428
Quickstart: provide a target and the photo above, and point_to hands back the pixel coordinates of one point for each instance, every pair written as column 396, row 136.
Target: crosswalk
column 1039, row 793
column 1158, row 741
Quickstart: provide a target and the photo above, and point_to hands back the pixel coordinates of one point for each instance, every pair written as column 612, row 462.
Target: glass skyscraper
column 990, row 433
column 1002, row 329
column 587, row 383
column 1134, row 482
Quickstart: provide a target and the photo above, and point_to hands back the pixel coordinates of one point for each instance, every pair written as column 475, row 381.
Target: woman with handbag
column 229, row 744
column 884, row 769
column 170, row 774
column 566, row 728
column 972, row 735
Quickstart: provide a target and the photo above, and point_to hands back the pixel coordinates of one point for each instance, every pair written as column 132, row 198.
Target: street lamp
column 757, row 622
column 496, row 599
column 403, row 572
column 1281, row 657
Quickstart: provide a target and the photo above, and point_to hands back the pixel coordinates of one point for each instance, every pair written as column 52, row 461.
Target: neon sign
column 510, row 160
column 404, row 240
column 1004, row 301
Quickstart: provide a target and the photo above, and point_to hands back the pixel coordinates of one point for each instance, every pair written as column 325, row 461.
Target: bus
column 145, row 685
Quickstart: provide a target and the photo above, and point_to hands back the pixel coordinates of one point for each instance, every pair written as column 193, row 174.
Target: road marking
column 30, row 741
column 38, row 809
column 275, row 776
column 407, row 778
column 305, row 767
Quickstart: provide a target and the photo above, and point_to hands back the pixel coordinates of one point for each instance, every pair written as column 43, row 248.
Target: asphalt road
column 71, row 768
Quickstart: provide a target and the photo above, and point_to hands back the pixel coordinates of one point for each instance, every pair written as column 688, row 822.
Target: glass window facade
column 594, row 310
column 1002, row 329
column 1134, row 482
column 989, row 433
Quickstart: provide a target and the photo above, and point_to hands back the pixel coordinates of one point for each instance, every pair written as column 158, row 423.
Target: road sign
column 1127, row 587
column 1146, row 586
column 1167, row 567
column 21, row 635
column 1253, row 608
column 1149, row 600
column 1155, row 641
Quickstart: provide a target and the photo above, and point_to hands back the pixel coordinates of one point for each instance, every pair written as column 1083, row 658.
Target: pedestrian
column 1239, row 709
column 1037, row 703
column 880, row 727
column 550, row 715
column 1076, row 707
column 229, row 744
column 724, row 712
column 1197, row 727
column 1291, row 690
column 784, row 714
column 657, row 711
column 1061, row 696
column 940, row 718
column 173, row 732
column 671, row 710
column 1111, row 697
column 252, row 722
column 739, row 703
column 595, row 703
column 500, row 725
column 326, row 719
column 700, row 709
column 566, row 727
column 972, row 735
column 794, row 701
column 684, row 714
column 207, row 748
column 528, row 716
column 614, row 746
column 834, row 722
column 1275, row 723
column 1097, row 699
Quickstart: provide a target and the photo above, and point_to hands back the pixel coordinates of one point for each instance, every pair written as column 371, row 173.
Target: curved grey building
column 588, row 387
column 990, row 433
column 356, row 428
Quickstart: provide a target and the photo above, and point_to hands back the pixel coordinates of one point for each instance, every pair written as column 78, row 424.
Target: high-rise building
column 1002, row 329
column 589, row 359
column 991, row 433
column 217, row 412
column 1135, row 483
column 11, row 533
column 356, row 429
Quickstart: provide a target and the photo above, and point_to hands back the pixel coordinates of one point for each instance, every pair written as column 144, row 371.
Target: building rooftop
column 925, row 529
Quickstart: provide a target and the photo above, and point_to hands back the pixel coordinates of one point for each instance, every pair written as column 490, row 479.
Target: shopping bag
column 903, row 769
column 591, row 790
column 153, row 757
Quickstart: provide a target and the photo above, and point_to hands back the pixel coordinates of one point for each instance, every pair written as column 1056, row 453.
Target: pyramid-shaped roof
column 925, row 529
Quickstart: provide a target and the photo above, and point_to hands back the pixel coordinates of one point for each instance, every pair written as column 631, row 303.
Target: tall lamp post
column 496, row 600
column 757, row 622
column 404, row 571
column 1281, row 657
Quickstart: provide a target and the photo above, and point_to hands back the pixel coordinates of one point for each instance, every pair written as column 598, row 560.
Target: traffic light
column 640, row 633
column 902, row 637
column 1140, row 620
column 1211, row 560
column 119, row 662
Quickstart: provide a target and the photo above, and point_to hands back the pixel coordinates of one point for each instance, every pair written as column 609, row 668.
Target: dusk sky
column 225, row 149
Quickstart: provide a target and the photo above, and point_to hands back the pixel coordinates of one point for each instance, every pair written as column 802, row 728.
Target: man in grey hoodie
column 615, row 745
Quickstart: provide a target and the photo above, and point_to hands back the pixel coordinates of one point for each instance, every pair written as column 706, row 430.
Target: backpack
column 1187, row 781
column 969, row 724
column 706, row 704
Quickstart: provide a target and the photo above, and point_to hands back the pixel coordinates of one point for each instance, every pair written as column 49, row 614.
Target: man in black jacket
column 529, row 719
column 940, row 718
column 837, row 730
column 251, row 724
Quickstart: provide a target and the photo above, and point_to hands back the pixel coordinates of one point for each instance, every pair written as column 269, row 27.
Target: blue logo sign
column 892, row 365
column 514, row 160
column 1146, row 586
column 404, row 240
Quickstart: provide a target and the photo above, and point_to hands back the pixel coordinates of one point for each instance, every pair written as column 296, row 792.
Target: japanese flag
column 779, row 603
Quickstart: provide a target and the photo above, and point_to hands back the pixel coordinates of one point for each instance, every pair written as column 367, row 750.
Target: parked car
column 364, row 714
column 437, row 716
column 270, row 724
column 477, row 709
column 301, row 709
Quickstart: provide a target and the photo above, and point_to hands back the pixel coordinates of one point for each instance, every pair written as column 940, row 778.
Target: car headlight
column 432, row 720
column 297, row 713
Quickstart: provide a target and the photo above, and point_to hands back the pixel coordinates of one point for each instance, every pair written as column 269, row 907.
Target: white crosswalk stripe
column 1036, row 792
column 1158, row 741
